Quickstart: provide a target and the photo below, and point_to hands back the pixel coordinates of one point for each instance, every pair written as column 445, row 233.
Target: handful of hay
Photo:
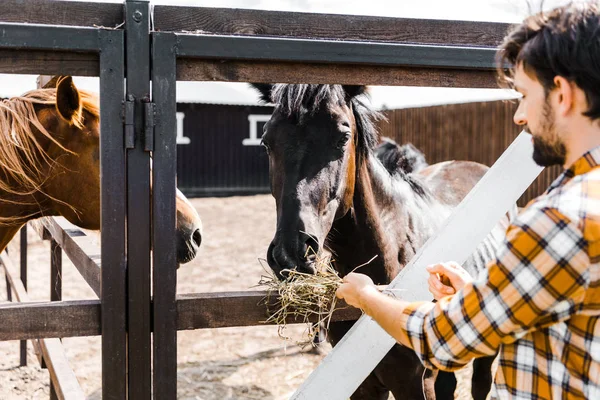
column 305, row 298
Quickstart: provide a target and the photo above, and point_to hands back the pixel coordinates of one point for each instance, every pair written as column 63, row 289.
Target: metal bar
column 62, row 377
column 163, row 210
column 47, row 37
column 227, row 47
column 81, row 249
column 23, row 244
column 112, row 176
column 139, row 348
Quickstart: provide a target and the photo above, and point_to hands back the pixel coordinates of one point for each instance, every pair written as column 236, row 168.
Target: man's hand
column 355, row 289
column 446, row 279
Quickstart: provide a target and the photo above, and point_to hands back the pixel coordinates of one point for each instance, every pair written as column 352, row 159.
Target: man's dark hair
column 562, row 42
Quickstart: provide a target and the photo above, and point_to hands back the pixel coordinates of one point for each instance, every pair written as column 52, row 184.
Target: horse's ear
column 68, row 101
column 265, row 91
column 354, row 90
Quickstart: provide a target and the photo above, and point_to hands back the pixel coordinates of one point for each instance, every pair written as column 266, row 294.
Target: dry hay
column 302, row 298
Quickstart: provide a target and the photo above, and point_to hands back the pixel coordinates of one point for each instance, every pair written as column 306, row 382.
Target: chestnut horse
column 332, row 193
column 50, row 164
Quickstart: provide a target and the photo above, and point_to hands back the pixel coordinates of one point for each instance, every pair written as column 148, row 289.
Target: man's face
column 536, row 114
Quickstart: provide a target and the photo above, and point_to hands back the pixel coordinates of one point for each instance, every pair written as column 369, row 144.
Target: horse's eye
column 344, row 139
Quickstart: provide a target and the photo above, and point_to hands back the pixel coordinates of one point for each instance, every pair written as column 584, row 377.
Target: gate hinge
column 149, row 123
column 128, row 120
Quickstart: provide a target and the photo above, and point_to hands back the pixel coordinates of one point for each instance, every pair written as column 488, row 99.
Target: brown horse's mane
column 22, row 157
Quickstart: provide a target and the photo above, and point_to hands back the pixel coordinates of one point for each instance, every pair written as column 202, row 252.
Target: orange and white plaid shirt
column 538, row 303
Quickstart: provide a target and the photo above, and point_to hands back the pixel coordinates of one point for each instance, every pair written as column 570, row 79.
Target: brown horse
column 333, row 193
column 50, row 164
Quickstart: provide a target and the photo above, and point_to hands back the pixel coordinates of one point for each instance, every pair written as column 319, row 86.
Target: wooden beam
column 13, row 316
column 61, row 13
column 264, row 72
column 229, row 309
column 81, row 249
column 194, row 311
column 327, row 26
column 53, row 319
column 48, row 62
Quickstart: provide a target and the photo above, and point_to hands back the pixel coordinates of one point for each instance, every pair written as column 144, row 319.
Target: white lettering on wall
column 254, row 120
column 180, row 138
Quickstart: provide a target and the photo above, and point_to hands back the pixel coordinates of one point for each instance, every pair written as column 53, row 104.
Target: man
column 538, row 303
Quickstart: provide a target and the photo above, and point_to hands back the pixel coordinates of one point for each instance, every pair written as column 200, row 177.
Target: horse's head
column 316, row 141
column 62, row 157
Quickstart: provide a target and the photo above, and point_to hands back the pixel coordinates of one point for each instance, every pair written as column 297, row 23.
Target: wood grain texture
column 49, row 351
column 264, row 72
column 81, row 249
column 48, row 63
column 327, row 26
column 61, row 13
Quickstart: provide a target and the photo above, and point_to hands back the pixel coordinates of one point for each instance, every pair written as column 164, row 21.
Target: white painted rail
column 359, row 352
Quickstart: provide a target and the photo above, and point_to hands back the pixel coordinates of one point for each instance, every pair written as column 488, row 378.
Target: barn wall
column 475, row 131
column 216, row 163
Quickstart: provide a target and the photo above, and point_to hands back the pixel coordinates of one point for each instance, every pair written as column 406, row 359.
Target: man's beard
column 548, row 151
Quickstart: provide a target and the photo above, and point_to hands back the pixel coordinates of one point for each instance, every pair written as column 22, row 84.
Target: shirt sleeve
column 539, row 278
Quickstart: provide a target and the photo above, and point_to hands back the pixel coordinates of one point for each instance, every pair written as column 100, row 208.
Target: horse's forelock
column 297, row 100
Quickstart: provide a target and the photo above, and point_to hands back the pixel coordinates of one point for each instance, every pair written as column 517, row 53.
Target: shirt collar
column 583, row 165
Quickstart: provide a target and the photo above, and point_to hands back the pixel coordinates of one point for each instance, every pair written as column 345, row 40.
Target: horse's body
column 332, row 192
column 50, row 164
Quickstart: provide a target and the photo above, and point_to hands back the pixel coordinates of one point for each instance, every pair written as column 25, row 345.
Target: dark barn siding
column 216, row 163
column 473, row 131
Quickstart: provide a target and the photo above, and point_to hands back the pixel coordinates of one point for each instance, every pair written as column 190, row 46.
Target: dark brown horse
column 333, row 193
column 50, row 164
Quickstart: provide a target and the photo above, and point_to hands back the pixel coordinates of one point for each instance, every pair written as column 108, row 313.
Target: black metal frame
column 127, row 314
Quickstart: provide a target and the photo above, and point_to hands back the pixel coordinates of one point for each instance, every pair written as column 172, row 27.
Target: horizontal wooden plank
column 189, row 69
column 229, row 309
column 37, row 62
column 195, row 311
column 52, row 353
column 327, row 26
column 332, row 52
column 61, row 13
column 55, row 319
column 81, row 249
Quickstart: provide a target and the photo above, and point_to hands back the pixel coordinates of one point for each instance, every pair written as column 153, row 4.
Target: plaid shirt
column 538, row 303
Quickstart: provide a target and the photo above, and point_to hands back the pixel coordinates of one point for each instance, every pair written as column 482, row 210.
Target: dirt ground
column 231, row 363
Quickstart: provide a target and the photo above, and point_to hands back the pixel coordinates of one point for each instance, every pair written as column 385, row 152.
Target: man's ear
column 68, row 101
column 566, row 94
column 265, row 91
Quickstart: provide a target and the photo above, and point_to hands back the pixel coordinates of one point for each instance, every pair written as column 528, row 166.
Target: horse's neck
column 15, row 211
column 388, row 220
column 6, row 235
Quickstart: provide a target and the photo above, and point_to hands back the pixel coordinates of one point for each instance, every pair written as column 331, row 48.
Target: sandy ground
column 231, row 363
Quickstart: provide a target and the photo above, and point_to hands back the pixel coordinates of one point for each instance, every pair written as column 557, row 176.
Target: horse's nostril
column 197, row 238
column 310, row 249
